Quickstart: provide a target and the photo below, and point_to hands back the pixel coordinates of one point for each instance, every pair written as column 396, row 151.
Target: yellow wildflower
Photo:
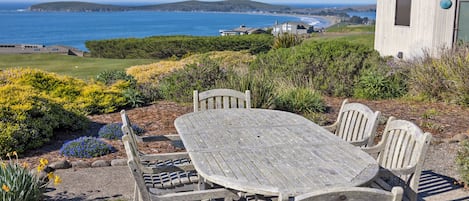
column 3, row 165
column 42, row 164
column 50, row 175
column 57, row 180
column 40, row 168
column 43, row 161
column 5, row 188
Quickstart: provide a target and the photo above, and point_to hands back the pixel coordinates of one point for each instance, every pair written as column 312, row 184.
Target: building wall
column 431, row 28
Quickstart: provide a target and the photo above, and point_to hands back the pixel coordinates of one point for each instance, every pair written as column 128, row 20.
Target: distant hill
column 77, row 6
column 218, row 6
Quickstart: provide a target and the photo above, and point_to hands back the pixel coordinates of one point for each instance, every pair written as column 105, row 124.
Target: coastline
column 78, row 35
column 328, row 20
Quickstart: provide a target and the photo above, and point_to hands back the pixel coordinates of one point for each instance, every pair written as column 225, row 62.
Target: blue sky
column 166, row 1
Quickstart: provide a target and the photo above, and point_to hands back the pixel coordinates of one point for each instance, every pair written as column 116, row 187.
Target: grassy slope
column 362, row 34
column 81, row 67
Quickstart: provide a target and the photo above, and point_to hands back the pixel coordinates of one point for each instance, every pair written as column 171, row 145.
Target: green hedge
column 177, row 46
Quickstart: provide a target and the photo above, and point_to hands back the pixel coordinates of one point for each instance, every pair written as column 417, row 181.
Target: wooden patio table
column 270, row 152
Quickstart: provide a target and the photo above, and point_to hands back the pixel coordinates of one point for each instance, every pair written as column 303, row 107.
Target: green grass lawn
column 80, row 67
column 362, row 38
column 347, row 28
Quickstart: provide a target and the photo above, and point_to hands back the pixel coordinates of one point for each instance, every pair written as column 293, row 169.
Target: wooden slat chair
column 149, row 188
column 356, row 123
column 180, row 179
column 352, row 194
column 221, row 99
column 401, row 154
column 135, row 139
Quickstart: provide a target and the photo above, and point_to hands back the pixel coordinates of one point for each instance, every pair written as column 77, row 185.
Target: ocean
column 20, row 26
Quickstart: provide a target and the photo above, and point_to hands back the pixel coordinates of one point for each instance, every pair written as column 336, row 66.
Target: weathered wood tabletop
column 271, row 152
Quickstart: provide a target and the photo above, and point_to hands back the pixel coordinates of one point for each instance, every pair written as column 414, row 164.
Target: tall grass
column 442, row 79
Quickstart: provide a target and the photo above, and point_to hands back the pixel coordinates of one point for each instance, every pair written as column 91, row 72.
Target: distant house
column 36, row 49
column 242, row 30
column 407, row 28
column 297, row 28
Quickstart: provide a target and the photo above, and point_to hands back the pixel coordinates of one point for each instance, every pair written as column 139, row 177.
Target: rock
column 458, row 138
column 80, row 164
column 63, row 164
column 382, row 119
column 119, row 162
column 100, row 163
column 437, row 140
column 42, row 176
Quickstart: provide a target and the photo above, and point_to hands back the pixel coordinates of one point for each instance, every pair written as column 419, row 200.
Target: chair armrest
column 403, row 171
column 156, row 138
column 164, row 156
column 374, row 149
column 331, row 127
column 169, row 168
column 359, row 143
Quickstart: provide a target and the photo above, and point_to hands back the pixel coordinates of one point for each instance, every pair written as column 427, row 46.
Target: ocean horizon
column 20, row 26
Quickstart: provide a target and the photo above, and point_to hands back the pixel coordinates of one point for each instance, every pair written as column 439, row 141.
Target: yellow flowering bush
column 20, row 183
column 148, row 76
column 34, row 103
column 28, row 118
column 151, row 72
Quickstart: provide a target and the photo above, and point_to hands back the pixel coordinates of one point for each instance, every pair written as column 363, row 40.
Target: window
column 403, row 12
column 463, row 22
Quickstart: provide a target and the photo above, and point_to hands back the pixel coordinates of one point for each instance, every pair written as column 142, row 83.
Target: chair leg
column 136, row 194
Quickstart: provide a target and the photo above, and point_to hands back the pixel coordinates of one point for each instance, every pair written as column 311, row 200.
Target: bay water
column 19, row 26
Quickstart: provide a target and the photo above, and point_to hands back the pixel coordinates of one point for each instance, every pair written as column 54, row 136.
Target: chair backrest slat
column 405, row 146
column 221, row 99
column 356, row 122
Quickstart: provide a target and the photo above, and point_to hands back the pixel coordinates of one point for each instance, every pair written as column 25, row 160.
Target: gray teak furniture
column 166, row 176
column 134, row 140
column 352, row 194
column 271, row 153
column 221, row 99
column 401, row 153
column 147, row 188
column 356, row 124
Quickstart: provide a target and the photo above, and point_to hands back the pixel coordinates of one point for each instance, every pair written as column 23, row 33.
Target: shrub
column 443, row 78
column 332, row 67
column 262, row 87
column 286, row 40
column 178, row 85
column 18, row 182
column 299, row 100
column 462, row 161
column 28, row 119
column 113, row 131
column 86, row 147
column 148, row 75
column 110, row 77
column 98, row 99
column 380, row 83
column 134, row 98
column 163, row 47
column 74, row 94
